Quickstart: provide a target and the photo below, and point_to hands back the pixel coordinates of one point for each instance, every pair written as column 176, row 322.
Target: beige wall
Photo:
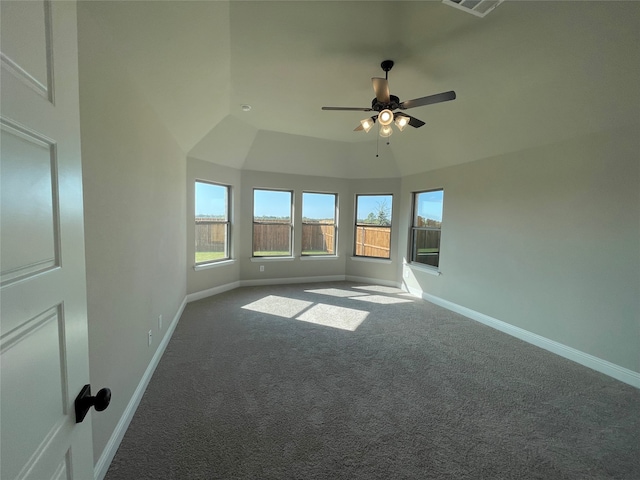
column 135, row 209
column 546, row 239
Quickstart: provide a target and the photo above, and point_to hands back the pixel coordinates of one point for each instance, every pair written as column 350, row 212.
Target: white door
column 43, row 328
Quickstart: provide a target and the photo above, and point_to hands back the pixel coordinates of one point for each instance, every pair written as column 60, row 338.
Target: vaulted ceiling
column 528, row 74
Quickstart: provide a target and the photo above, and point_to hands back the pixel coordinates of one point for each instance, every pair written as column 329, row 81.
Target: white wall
column 380, row 269
column 245, row 269
column 220, row 274
column 135, row 212
column 546, row 239
column 282, row 269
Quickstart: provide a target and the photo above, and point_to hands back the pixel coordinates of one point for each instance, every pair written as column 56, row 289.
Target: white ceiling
column 528, row 74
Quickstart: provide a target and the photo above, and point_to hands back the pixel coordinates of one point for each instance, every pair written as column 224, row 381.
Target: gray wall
column 546, row 239
column 135, row 212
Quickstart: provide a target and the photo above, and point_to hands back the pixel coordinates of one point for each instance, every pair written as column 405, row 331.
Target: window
column 426, row 227
column 212, row 222
column 373, row 226
column 272, row 226
column 319, row 223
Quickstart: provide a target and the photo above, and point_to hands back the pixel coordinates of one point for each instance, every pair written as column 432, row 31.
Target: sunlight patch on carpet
column 280, row 306
column 336, row 292
column 334, row 317
column 310, row 312
column 380, row 289
column 382, row 299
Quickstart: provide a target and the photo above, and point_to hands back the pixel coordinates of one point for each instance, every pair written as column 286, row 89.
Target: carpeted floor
column 351, row 381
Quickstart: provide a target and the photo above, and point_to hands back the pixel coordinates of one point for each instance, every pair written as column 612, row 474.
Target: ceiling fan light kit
column 385, row 117
column 384, row 103
column 401, row 122
column 367, row 124
column 386, row 131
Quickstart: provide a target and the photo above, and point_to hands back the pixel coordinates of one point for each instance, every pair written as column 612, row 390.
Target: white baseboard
column 192, row 297
column 286, row 281
column 615, row 371
column 101, row 467
column 603, row 366
column 373, row 281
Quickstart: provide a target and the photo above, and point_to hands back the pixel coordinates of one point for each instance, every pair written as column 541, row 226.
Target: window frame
column 227, row 222
column 254, row 223
column 357, row 225
column 414, row 229
column 335, row 226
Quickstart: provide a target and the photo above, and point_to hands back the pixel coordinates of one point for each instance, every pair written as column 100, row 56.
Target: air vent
column 478, row 8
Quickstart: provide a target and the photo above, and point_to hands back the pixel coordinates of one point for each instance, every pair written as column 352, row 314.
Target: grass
column 202, row 257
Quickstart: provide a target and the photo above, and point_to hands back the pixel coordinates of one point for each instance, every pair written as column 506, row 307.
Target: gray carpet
column 349, row 381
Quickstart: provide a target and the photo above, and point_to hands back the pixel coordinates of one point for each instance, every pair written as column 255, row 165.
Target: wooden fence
column 210, row 237
column 317, row 237
column 271, row 237
column 373, row 241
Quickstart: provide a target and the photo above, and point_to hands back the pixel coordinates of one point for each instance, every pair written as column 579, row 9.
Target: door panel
column 27, row 43
column 43, row 326
column 29, row 204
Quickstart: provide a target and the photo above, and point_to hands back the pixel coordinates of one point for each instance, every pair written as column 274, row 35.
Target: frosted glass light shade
column 385, row 117
column 401, row 122
column 386, row 131
column 367, row 124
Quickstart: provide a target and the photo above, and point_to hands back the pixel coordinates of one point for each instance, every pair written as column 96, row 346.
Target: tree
column 383, row 214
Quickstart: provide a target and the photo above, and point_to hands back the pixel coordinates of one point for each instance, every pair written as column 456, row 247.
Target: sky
column 430, row 205
column 210, row 200
column 272, row 203
column 372, row 203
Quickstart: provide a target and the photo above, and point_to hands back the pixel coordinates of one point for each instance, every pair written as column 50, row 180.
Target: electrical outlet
column 406, row 273
column 150, row 337
column 262, row 268
column 160, row 322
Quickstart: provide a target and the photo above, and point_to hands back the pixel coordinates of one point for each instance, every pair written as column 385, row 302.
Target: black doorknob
column 84, row 401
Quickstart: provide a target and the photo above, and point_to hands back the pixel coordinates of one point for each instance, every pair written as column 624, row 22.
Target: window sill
column 424, row 268
column 207, row 266
column 272, row 259
column 371, row 259
column 318, row 257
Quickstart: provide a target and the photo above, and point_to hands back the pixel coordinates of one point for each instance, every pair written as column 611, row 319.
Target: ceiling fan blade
column 381, row 87
column 415, row 122
column 355, row 109
column 437, row 98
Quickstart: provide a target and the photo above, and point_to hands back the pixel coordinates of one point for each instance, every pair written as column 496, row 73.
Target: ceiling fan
column 384, row 103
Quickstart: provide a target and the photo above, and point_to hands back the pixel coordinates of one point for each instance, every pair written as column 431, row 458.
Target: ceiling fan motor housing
column 392, row 105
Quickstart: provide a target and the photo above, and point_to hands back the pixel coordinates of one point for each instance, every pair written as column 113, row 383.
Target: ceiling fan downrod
column 386, row 65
